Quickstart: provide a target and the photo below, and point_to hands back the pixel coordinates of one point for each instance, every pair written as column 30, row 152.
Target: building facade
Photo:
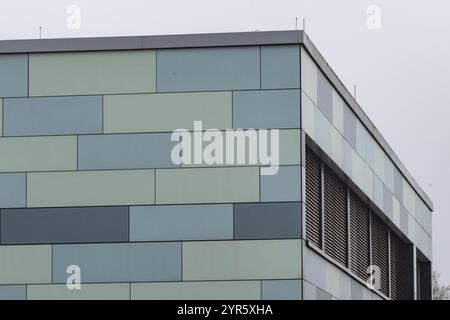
column 90, row 191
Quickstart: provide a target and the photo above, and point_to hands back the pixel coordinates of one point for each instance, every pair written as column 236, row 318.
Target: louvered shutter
column 380, row 253
column 401, row 272
column 313, row 199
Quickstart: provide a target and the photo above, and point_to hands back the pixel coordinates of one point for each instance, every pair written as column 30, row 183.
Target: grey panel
column 282, row 186
column 125, row 151
column 404, row 220
column 64, row 225
column 356, row 290
column 119, row 262
column 13, row 292
column 388, row 205
column 181, row 222
column 52, row 115
column 350, row 126
column 325, row 97
column 12, row 190
column 13, row 75
column 281, row 289
column 267, row 220
column 208, row 69
column 266, row 109
column 280, row 67
column 398, row 185
column 322, row 295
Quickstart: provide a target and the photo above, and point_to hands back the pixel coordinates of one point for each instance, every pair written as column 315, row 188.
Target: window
column 313, row 200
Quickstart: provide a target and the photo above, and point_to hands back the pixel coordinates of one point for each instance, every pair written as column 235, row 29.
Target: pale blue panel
column 266, row 109
column 181, row 222
column 281, row 289
column 203, row 69
column 13, row 75
column 119, row 262
column 280, row 66
column 52, row 115
column 283, row 186
column 125, row 151
column 13, row 292
column 12, row 190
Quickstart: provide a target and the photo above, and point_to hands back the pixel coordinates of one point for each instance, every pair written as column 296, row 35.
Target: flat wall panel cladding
column 119, row 262
column 313, row 199
column 1, row 117
column 309, row 72
column 25, row 264
column 166, row 112
column 13, row 75
column 280, row 66
column 38, row 153
column 13, row 292
column 207, row 69
column 325, row 96
column 281, row 289
column 235, row 260
column 101, row 291
column 12, row 190
column 207, row 185
column 125, row 151
column 181, row 222
column 267, row 220
column 203, row 290
column 64, row 225
column 282, row 186
column 90, row 188
column 266, row 109
column 380, row 251
column 78, row 73
column 52, row 115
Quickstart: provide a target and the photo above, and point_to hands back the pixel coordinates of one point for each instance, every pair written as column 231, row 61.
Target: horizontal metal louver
column 359, row 237
column 401, row 272
column 313, row 199
column 335, row 217
column 380, row 251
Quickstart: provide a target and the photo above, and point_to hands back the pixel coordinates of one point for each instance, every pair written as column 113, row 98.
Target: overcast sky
column 402, row 70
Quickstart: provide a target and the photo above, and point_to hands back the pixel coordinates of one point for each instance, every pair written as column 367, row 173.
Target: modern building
column 89, row 190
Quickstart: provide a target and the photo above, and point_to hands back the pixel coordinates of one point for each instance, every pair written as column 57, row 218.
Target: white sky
column 402, row 71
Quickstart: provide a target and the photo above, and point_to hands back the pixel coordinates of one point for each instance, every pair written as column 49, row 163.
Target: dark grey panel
column 350, row 126
column 64, row 225
column 267, row 220
column 325, row 96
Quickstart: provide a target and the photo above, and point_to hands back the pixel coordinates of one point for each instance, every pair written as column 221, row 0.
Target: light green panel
column 90, row 188
column 75, row 73
column 166, row 111
column 308, row 110
column 378, row 161
column 207, row 290
column 234, row 260
column 1, row 117
column 25, row 264
column 409, row 197
column 362, row 175
column 338, row 112
column 396, row 211
column 207, row 185
column 38, row 153
column 107, row 291
column 309, row 76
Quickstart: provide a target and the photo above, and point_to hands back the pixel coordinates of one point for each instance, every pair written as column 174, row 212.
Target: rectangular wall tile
column 90, row 188
column 280, row 66
column 25, row 264
column 267, row 220
column 125, row 151
column 325, row 96
column 13, row 292
column 204, row 69
column 281, row 289
column 64, row 225
column 201, row 185
column 205, row 290
column 119, row 262
column 12, row 190
column 166, row 112
column 103, row 291
column 38, row 153
column 102, row 72
column 266, row 109
column 282, row 186
column 309, row 75
column 52, row 115
column 13, row 75
column 181, row 222
column 1, row 117
column 234, row 260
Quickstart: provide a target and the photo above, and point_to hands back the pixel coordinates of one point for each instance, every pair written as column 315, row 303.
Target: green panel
column 38, row 153
column 234, row 260
column 166, row 111
column 25, row 264
column 207, row 185
column 90, row 188
column 73, row 73
column 107, row 291
column 210, row 290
